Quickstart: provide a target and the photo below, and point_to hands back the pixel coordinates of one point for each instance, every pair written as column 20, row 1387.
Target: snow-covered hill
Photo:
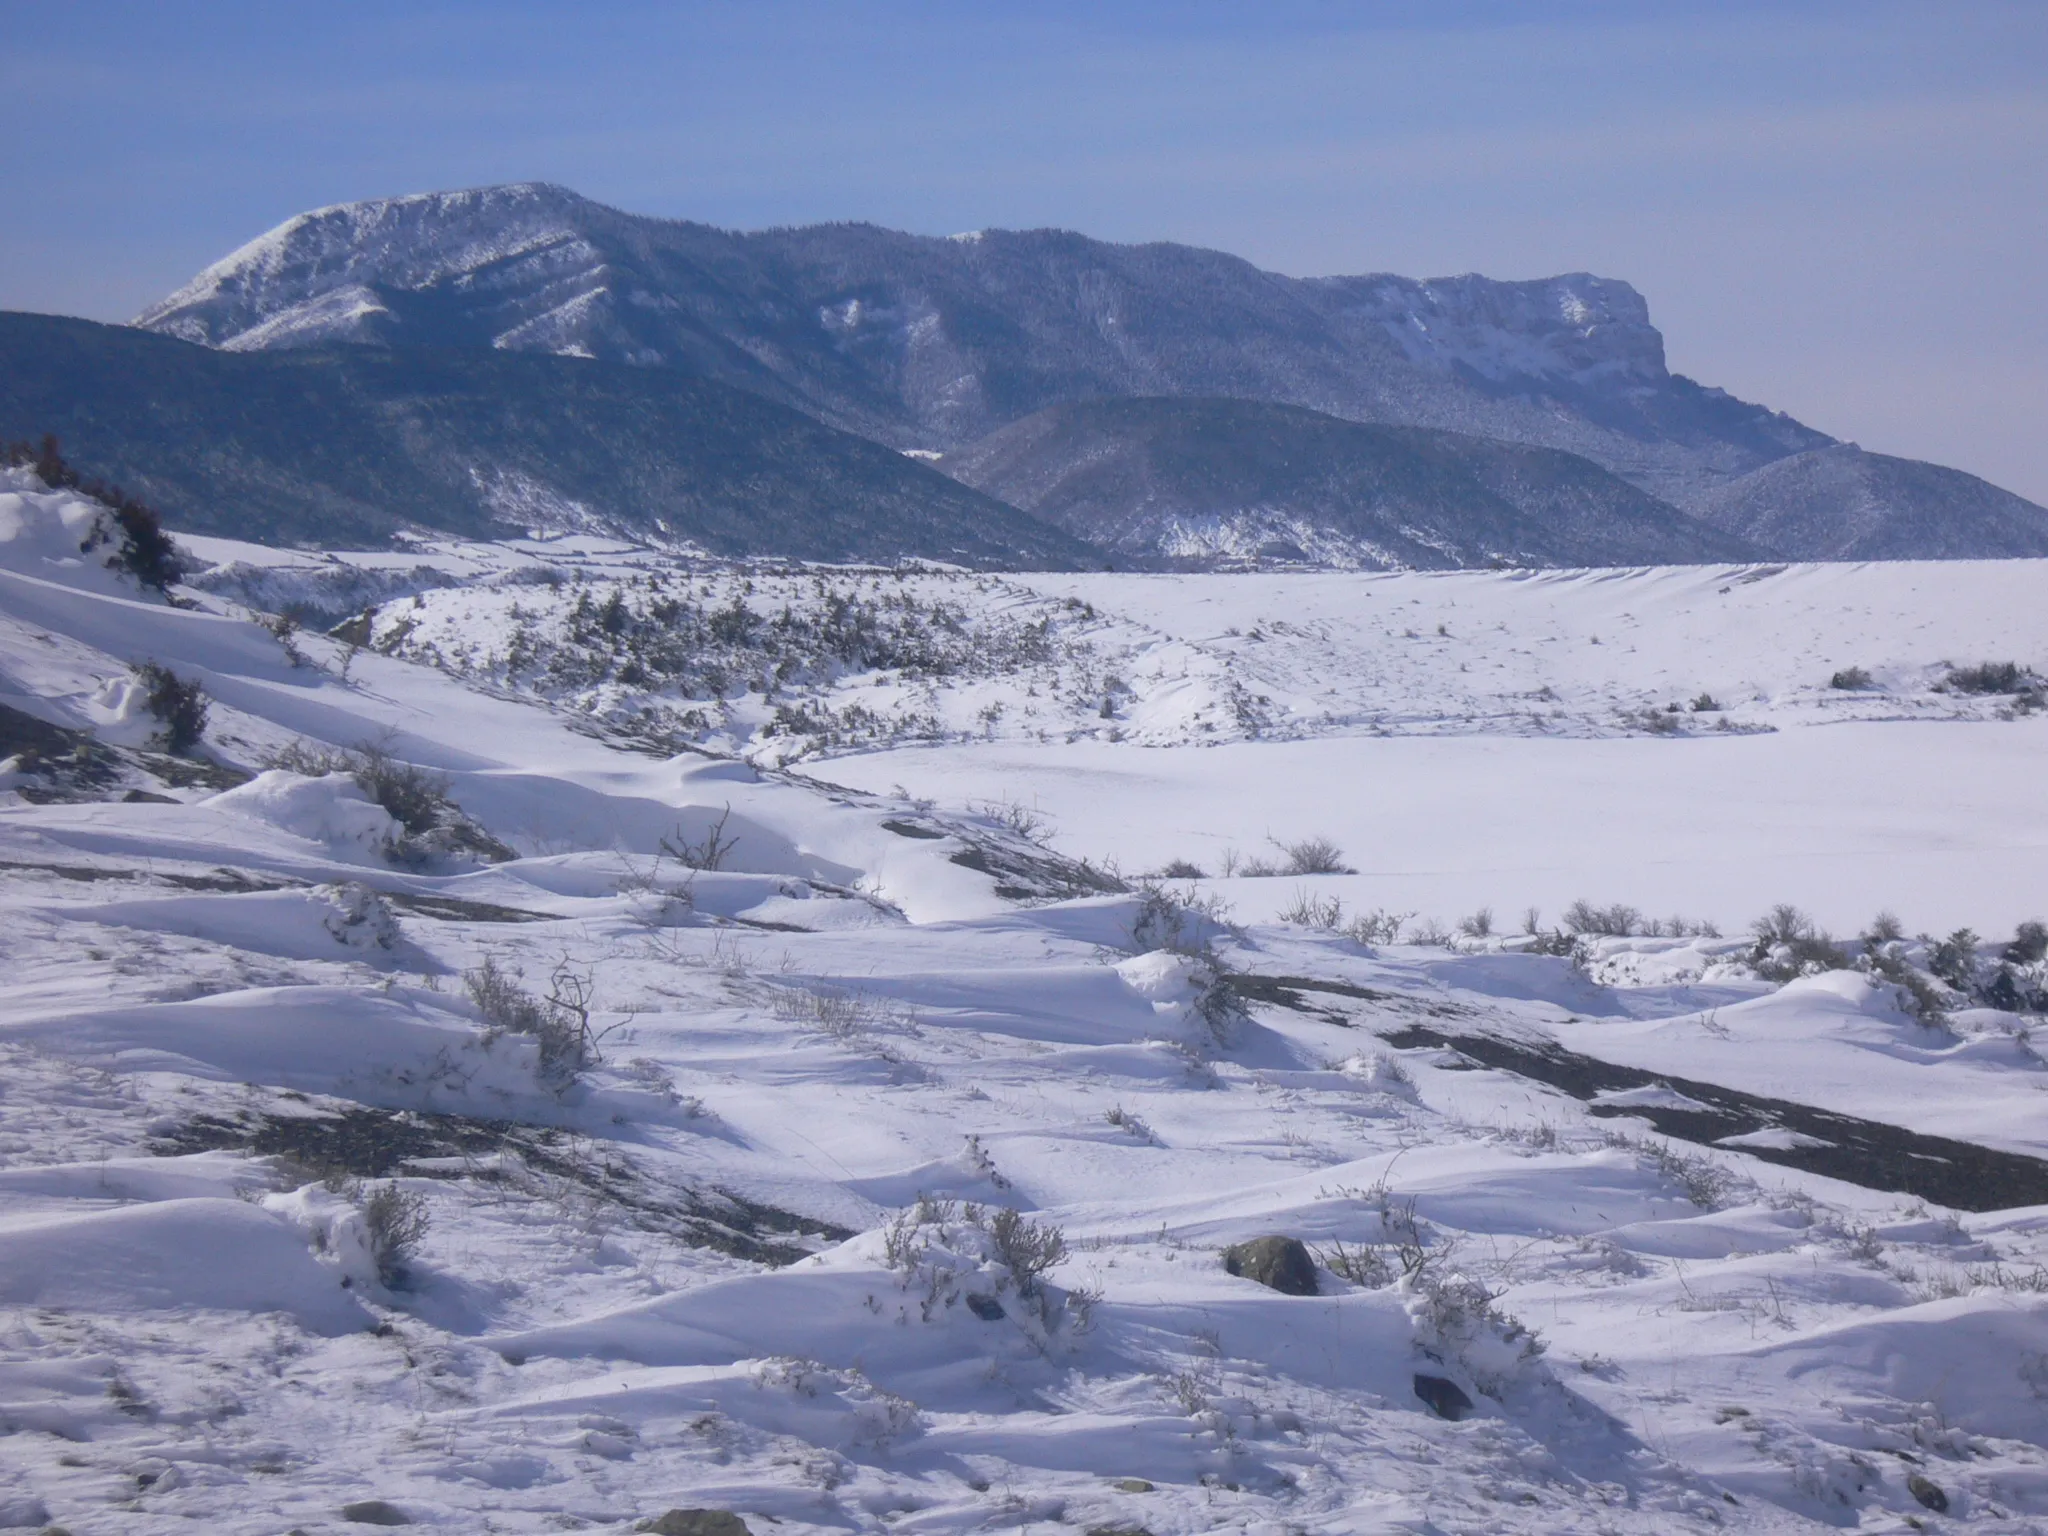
column 698, row 1136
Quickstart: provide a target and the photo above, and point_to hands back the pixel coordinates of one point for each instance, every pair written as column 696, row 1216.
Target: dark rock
column 695, row 1522
column 1281, row 1263
column 375, row 1512
column 987, row 1308
column 1446, row 1399
column 1928, row 1492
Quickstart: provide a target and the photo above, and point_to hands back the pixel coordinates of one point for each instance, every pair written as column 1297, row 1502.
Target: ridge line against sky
column 1836, row 209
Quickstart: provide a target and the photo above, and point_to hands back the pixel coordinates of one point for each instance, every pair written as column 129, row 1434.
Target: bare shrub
column 1617, row 921
column 559, row 1023
column 1479, row 925
column 1026, row 821
column 1379, row 926
column 1364, row 1265
column 1706, row 704
column 1308, row 910
column 1182, row 869
column 179, row 703
column 1850, row 679
column 1314, row 856
column 2029, row 944
column 1431, row 933
column 1031, row 1249
column 396, row 1220
column 1705, row 1182
column 708, row 852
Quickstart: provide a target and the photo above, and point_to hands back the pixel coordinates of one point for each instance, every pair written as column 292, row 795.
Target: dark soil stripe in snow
column 1865, row 1152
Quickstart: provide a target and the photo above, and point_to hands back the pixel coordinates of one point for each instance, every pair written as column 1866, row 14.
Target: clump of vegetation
column 1309, row 910
column 178, row 702
column 1705, row 1182
column 396, row 1220
column 1989, row 677
column 1479, row 925
column 1706, row 704
column 559, row 1023
column 1308, row 856
column 1850, row 680
column 1456, row 1315
column 1176, row 918
column 1617, row 921
column 1182, row 869
column 143, row 550
column 417, row 798
column 1884, row 956
column 1381, row 925
column 1788, row 945
column 958, row 1252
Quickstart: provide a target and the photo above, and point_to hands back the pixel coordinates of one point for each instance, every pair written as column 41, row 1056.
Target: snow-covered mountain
column 930, row 343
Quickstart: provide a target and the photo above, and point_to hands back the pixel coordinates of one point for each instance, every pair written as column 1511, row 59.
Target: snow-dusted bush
column 1850, row 679
column 179, row 703
column 417, row 798
column 996, row 1261
column 559, row 1023
column 1989, row 677
column 141, row 547
column 395, row 1219
column 1788, row 945
column 1177, row 918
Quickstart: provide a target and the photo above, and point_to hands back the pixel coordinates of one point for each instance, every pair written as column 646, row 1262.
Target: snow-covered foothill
column 850, row 1160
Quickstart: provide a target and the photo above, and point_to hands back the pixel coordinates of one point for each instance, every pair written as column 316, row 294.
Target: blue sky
column 1838, row 209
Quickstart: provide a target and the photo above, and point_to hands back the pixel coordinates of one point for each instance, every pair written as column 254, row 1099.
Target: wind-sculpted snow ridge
column 837, row 1161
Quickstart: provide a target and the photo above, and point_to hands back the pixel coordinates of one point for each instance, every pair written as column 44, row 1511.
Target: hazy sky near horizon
column 1839, row 209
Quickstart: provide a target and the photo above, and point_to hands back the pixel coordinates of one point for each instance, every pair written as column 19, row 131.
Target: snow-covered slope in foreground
column 786, row 1246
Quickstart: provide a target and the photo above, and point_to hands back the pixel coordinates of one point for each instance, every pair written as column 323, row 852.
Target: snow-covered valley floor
column 878, row 1172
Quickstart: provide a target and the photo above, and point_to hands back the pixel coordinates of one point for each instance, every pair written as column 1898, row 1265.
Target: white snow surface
column 698, row 1273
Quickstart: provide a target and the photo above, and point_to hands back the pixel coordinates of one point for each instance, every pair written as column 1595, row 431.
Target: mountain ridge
column 338, row 445
column 1202, row 482
column 931, row 342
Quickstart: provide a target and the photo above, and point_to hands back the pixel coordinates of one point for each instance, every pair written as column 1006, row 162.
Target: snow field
column 733, row 1264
